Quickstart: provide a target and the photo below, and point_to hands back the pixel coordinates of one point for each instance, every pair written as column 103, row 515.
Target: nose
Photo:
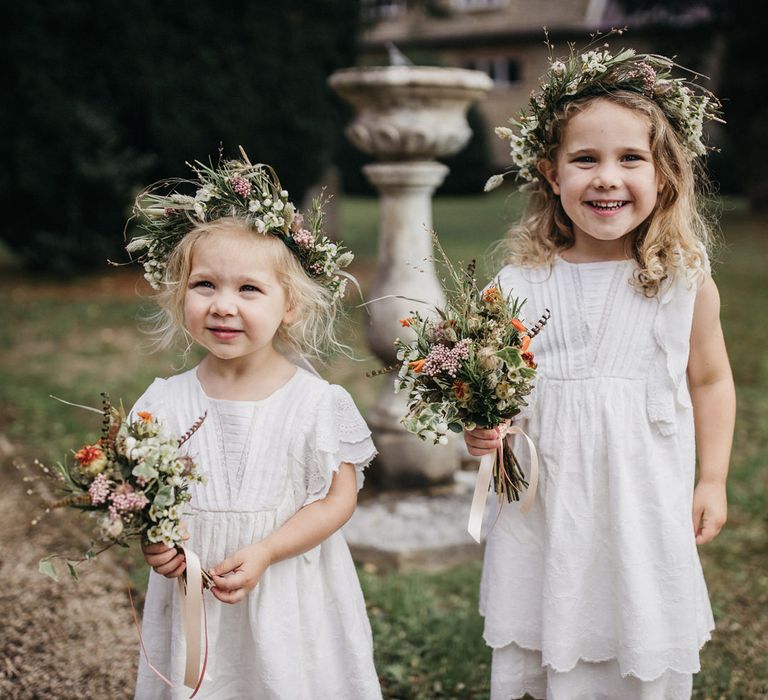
column 607, row 177
column 223, row 304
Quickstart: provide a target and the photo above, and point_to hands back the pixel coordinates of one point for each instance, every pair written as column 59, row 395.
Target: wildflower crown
column 595, row 72
column 248, row 192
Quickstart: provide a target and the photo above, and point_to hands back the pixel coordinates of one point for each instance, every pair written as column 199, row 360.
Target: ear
column 548, row 169
column 290, row 316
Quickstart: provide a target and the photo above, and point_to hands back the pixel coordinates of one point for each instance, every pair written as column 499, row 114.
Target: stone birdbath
column 406, row 116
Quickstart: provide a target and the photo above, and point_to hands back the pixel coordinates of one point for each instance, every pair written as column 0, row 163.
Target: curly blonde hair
column 312, row 331
column 675, row 238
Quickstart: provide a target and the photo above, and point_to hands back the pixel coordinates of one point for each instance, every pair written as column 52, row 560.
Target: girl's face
column 604, row 173
column 234, row 303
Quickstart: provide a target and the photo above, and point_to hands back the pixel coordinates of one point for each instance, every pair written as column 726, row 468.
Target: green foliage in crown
column 250, row 193
column 595, row 71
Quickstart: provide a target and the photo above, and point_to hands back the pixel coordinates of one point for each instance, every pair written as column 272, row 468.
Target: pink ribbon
column 485, row 474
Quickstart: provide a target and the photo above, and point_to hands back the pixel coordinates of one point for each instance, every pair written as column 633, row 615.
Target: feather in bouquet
column 470, row 365
column 136, row 478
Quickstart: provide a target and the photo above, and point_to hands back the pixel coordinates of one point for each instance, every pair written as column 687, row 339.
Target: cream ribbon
column 192, row 614
column 485, row 473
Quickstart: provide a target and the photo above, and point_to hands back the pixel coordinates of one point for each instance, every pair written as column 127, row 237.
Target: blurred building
column 505, row 39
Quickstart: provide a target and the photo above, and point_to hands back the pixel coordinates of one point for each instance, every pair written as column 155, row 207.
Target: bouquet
column 136, row 478
column 469, row 366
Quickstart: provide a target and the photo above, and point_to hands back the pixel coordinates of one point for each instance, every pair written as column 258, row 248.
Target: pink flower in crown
column 649, row 78
column 297, row 222
column 241, row 186
column 303, row 238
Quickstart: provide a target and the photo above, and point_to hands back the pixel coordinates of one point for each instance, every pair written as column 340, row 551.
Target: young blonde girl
column 598, row 591
column 242, row 275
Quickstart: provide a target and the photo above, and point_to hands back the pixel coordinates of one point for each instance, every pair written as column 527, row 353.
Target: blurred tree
column 738, row 29
column 101, row 99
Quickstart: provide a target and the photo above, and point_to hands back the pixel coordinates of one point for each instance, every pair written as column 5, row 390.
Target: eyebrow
column 592, row 151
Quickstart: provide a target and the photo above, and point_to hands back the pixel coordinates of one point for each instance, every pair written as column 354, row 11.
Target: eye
column 249, row 288
column 202, row 283
column 632, row 158
column 584, row 159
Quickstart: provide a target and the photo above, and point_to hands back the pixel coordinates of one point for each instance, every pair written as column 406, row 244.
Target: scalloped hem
column 648, row 677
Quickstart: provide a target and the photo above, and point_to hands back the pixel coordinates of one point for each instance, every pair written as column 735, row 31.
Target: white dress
column 598, row 591
column 303, row 632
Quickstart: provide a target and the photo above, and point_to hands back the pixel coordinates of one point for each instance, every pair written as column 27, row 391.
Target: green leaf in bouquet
column 511, row 356
column 455, row 427
column 165, row 497
column 145, row 471
column 46, row 568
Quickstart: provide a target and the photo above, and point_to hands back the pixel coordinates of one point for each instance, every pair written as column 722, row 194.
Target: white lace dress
column 303, row 632
column 598, row 592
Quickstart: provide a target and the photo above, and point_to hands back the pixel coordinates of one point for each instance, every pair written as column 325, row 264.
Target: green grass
column 79, row 338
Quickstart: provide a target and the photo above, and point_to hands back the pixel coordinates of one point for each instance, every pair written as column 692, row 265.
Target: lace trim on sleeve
column 340, row 435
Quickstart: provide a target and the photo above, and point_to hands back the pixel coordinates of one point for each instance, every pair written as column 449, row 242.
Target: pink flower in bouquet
column 126, row 500
column 99, row 490
column 91, row 459
column 443, row 359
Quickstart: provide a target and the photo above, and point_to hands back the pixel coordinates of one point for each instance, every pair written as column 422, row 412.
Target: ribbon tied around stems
column 485, row 474
column 193, row 621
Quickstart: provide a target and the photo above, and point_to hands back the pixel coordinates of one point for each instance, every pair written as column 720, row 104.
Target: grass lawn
column 78, row 338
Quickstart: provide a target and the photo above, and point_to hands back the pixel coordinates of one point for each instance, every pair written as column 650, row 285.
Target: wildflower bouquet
column 470, row 366
column 136, row 477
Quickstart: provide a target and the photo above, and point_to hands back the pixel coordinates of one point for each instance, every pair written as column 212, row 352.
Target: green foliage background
column 100, row 100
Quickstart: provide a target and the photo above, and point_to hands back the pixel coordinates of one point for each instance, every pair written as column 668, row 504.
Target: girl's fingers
column 163, row 558
column 156, row 548
column 230, row 583
column 177, row 563
column 479, row 452
column 228, row 596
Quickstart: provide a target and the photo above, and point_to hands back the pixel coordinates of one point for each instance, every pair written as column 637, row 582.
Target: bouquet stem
column 508, row 478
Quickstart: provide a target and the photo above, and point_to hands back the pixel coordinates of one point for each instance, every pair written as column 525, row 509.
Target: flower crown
column 249, row 193
column 594, row 73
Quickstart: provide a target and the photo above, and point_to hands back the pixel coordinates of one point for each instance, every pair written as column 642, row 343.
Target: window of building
column 383, row 9
column 477, row 5
column 501, row 69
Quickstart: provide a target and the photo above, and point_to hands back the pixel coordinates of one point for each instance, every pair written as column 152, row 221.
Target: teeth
column 607, row 205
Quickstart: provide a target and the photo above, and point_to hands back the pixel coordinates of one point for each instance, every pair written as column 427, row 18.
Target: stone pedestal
column 406, row 116
column 405, row 269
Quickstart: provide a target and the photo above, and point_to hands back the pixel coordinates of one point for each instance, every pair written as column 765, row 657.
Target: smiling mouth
column 607, row 207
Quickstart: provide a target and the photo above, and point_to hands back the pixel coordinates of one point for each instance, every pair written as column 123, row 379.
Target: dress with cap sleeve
column 303, row 631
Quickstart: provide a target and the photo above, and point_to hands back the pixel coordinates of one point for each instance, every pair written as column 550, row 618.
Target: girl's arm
column 310, row 526
column 714, row 411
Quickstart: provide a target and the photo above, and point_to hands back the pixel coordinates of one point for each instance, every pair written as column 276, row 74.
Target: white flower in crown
column 557, row 68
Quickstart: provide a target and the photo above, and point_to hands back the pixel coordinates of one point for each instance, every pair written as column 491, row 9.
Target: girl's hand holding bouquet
column 471, row 366
column 137, row 478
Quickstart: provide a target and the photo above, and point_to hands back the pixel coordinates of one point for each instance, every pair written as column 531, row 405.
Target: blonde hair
column 674, row 238
column 312, row 331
